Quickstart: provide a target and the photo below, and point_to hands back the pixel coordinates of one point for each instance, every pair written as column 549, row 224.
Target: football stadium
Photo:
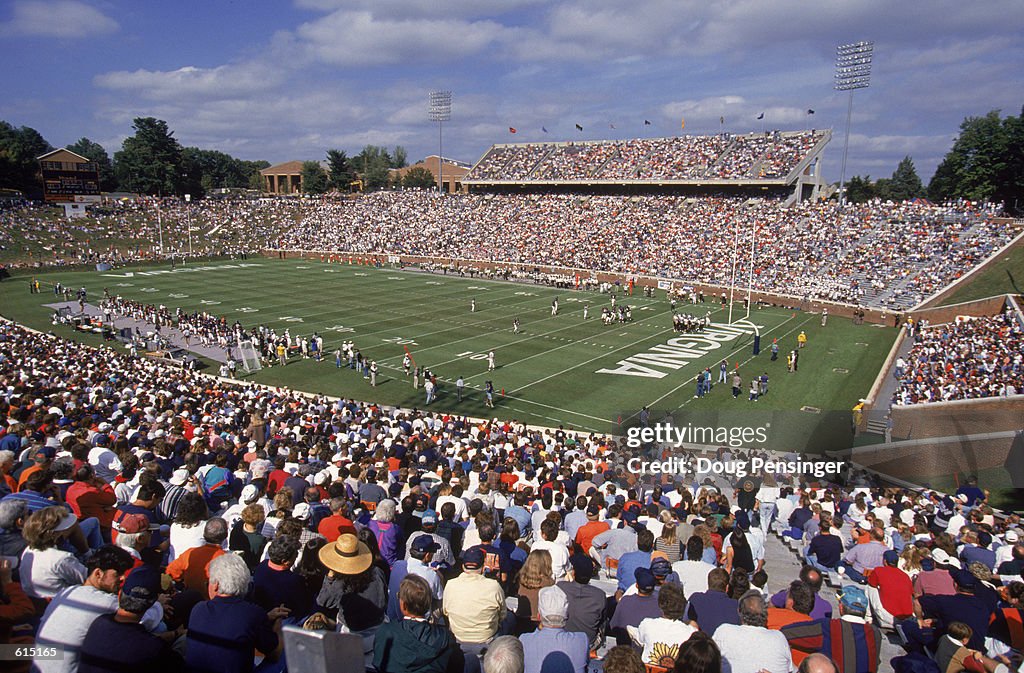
column 650, row 401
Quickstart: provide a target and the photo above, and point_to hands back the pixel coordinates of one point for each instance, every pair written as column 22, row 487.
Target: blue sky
column 289, row 79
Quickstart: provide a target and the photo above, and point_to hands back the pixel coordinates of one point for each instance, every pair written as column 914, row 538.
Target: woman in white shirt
column 189, row 522
column 45, row 568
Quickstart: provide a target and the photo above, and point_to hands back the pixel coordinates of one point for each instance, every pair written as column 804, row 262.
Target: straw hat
column 347, row 555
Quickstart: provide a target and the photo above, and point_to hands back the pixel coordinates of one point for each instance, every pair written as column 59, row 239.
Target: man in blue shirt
column 712, row 608
column 974, row 494
column 630, row 561
column 225, row 631
column 521, row 515
column 551, row 648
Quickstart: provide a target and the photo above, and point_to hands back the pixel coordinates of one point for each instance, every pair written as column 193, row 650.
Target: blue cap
column 644, row 579
column 661, row 567
column 429, row 516
column 425, row 543
column 473, row 558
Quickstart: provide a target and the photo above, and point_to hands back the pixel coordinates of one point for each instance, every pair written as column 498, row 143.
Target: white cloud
column 361, row 38
column 424, row 8
column 189, row 82
column 56, row 18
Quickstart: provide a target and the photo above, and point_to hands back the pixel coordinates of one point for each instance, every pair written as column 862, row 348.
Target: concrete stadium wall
column 921, row 462
column 978, row 308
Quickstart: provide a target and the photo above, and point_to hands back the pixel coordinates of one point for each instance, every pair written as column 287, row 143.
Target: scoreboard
column 64, row 180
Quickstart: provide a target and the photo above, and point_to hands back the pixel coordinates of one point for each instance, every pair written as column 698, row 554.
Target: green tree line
column 152, row 161
column 986, row 163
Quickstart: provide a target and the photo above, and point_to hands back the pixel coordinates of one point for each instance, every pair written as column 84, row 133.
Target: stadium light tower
column 440, row 112
column 853, row 71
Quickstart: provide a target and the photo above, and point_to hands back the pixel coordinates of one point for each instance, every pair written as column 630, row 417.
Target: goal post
column 249, row 357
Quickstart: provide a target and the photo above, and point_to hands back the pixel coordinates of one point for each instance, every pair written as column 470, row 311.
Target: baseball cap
column 429, row 516
column 661, row 567
column 552, row 602
column 1011, row 535
column 425, row 543
column 143, row 584
column 249, row 494
column 593, row 510
column 179, row 477
column 864, row 524
column 964, row 579
column 67, row 522
column 473, row 558
column 582, row 567
column 644, row 579
column 891, row 557
column 47, row 452
column 131, row 523
column 301, row 511
column 942, row 558
column 853, row 598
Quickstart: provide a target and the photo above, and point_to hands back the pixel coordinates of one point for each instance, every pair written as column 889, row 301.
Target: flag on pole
column 760, row 116
column 579, row 128
column 810, row 112
column 543, row 129
column 611, row 126
column 721, row 120
column 511, row 130
column 647, row 122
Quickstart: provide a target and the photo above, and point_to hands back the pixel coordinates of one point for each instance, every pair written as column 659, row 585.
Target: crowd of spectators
column 161, row 519
column 968, row 358
column 884, row 255
column 754, row 156
column 876, row 254
column 130, row 230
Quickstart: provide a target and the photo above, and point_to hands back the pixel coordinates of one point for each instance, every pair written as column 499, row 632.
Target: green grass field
column 561, row 370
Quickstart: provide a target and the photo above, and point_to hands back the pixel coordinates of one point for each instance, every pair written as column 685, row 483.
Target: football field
column 559, row 370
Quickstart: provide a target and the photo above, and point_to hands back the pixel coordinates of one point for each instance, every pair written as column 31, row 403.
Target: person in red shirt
column 277, row 478
column 6, row 468
column 890, row 591
column 591, row 529
column 338, row 522
column 192, row 569
column 90, row 496
column 41, row 459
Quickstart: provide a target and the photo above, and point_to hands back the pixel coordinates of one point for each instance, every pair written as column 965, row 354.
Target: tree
column 95, row 153
column 340, row 170
column 859, row 189
column 904, row 184
column 986, row 162
column 399, row 157
column 374, row 165
column 206, row 170
column 419, row 177
column 151, row 160
column 19, row 152
column 314, row 178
